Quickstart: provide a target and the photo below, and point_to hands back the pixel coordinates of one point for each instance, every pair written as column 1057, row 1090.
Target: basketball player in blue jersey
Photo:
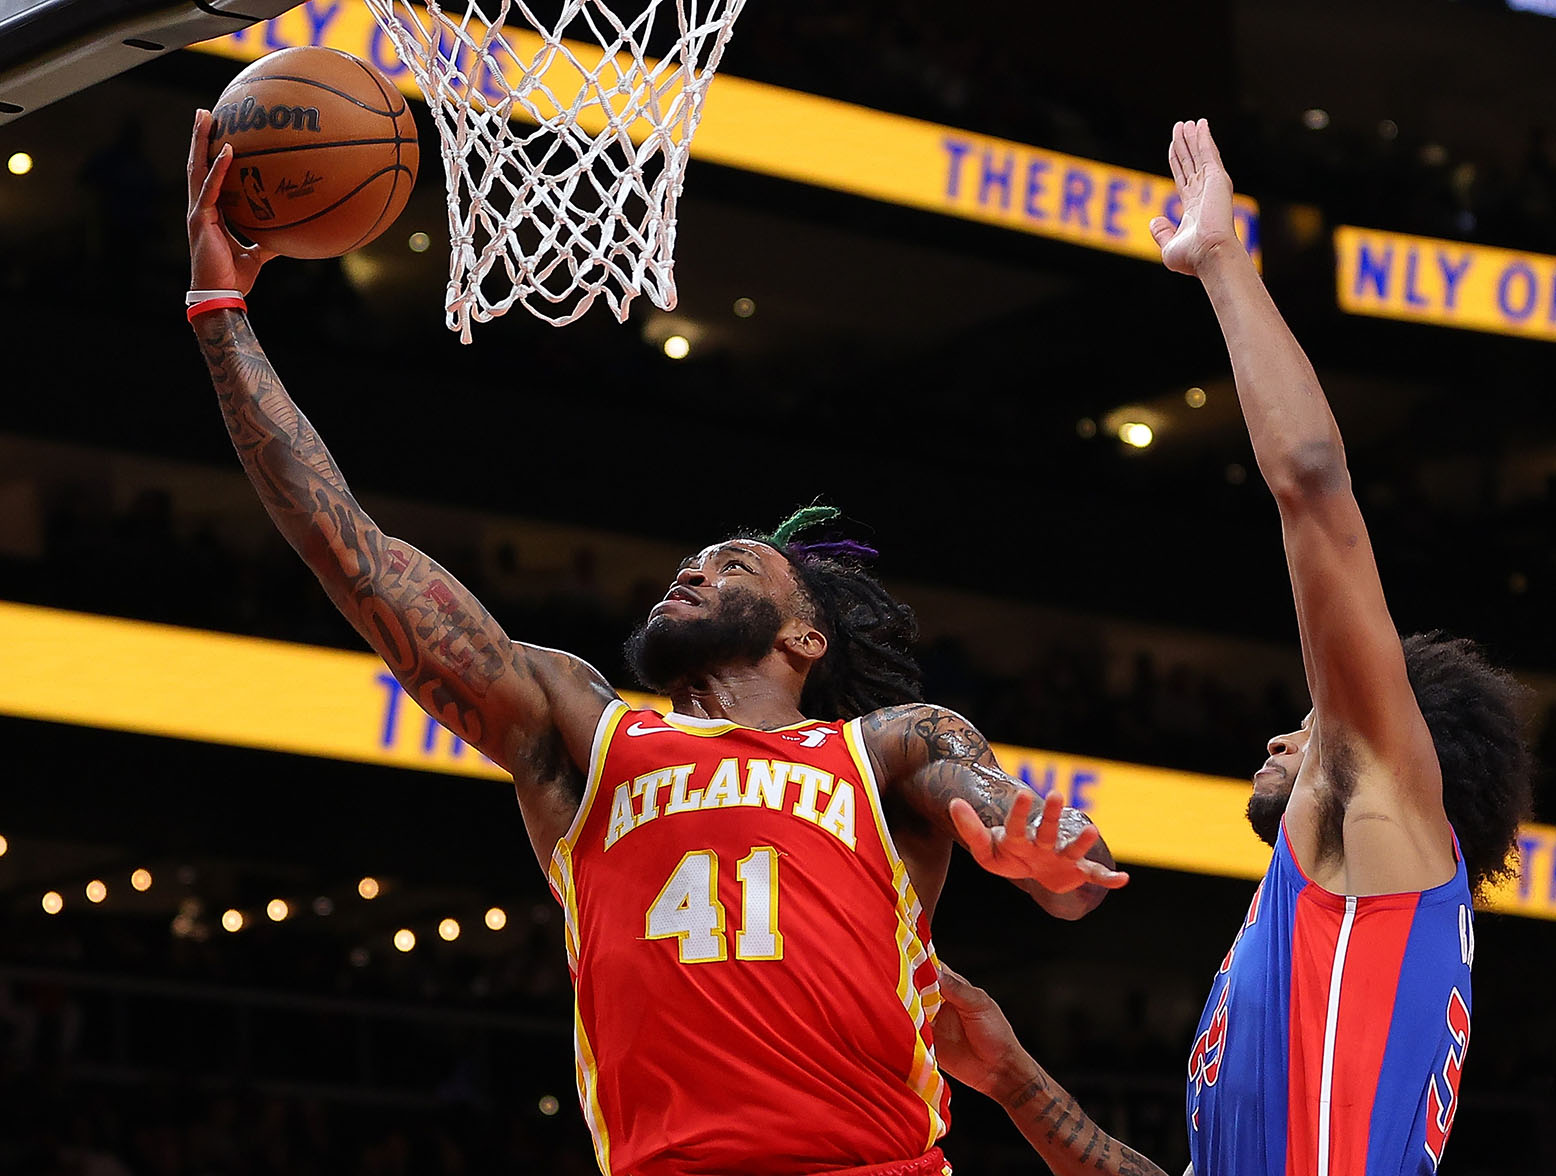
column 1335, row 1035
column 1337, row 1026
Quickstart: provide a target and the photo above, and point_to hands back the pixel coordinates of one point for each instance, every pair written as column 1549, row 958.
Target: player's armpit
column 929, row 757
column 445, row 649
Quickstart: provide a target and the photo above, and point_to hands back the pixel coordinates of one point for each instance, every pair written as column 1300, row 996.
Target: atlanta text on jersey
column 819, row 797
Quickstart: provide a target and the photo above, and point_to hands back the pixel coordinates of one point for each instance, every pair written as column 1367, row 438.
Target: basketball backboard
column 51, row 48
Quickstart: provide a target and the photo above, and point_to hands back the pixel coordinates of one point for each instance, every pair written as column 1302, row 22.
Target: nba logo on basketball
column 254, row 193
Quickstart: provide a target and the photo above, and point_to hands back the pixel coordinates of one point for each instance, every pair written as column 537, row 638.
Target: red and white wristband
column 202, row 301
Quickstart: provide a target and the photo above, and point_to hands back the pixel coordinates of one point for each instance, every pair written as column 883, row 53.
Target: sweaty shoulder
column 576, row 695
column 904, row 738
column 550, row 756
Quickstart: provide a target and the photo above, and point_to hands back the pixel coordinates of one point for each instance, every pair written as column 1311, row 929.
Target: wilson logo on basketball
column 249, row 115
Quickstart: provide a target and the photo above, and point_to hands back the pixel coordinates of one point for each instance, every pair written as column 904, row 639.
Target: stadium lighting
column 448, row 930
column 368, row 888
column 404, row 939
column 496, row 918
column 277, row 909
column 744, row 308
column 232, row 920
column 1194, row 398
column 53, row 903
column 1315, row 119
column 141, row 880
column 4, row 845
column 419, row 242
column 1136, row 434
column 678, row 347
column 549, row 1105
column 96, row 891
column 19, row 164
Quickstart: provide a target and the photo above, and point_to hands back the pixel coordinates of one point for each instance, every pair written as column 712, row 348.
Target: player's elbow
column 331, row 558
column 1083, row 901
column 1073, row 904
column 1308, row 471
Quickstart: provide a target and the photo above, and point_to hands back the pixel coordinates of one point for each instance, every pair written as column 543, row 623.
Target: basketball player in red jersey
column 747, row 880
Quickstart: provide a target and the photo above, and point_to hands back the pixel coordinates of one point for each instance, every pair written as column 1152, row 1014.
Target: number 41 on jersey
column 688, row 908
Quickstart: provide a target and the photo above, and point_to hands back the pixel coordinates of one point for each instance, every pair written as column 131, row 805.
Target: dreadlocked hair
column 869, row 661
column 1472, row 711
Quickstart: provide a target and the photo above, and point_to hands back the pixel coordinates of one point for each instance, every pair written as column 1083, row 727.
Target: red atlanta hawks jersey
column 753, row 971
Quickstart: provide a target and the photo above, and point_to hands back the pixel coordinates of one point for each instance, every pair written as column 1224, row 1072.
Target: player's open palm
column 1205, row 191
column 1018, row 849
column 217, row 260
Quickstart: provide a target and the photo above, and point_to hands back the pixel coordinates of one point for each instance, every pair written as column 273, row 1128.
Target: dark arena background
column 232, row 868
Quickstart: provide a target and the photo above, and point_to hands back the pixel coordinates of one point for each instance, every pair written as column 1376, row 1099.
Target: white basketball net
column 579, row 197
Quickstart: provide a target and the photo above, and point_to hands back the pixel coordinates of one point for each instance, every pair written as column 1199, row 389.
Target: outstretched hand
column 217, row 260
column 1205, row 191
column 1016, row 850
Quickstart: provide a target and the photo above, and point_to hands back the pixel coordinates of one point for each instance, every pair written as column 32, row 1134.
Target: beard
column 1265, row 810
column 664, row 652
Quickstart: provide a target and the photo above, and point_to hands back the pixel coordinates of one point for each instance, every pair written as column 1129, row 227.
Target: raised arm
column 529, row 710
column 975, row 1044
column 938, row 763
column 1355, row 665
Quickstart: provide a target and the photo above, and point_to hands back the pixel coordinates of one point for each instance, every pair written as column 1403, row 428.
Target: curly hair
column 869, row 661
column 1472, row 710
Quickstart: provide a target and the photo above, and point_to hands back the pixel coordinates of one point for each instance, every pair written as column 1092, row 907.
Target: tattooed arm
column 530, row 710
column 975, row 1044
column 941, row 766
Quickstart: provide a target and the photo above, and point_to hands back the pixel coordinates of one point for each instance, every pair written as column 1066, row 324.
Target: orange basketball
column 324, row 152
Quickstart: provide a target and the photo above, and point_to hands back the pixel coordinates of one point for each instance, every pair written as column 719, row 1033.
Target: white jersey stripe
column 1331, row 1022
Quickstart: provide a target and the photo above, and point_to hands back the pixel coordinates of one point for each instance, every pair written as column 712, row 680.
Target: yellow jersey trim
column 560, row 875
column 589, row 1093
column 924, row 1077
column 610, row 719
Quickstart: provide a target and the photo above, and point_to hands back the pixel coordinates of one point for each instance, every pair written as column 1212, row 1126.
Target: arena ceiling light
column 1136, row 425
column 1136, row 433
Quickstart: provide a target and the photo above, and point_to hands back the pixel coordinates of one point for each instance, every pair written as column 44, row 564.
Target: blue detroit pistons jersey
column 1335, row 1032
